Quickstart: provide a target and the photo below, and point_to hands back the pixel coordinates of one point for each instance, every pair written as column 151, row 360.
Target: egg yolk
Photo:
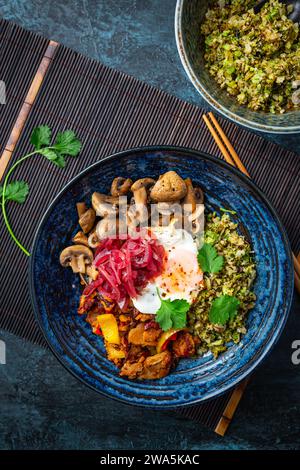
column 181, row 274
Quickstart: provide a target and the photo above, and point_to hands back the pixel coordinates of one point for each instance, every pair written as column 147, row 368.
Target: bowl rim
column 208, row 97
column 198, row 154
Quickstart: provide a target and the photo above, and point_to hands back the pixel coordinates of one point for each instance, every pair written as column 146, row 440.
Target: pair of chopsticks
column 233, row 159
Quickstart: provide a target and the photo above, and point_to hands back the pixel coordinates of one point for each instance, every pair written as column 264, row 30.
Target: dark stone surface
column 42, row 406
column 135, row 36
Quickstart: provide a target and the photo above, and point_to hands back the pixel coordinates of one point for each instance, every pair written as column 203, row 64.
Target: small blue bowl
column 189, row 16
column 55, row 290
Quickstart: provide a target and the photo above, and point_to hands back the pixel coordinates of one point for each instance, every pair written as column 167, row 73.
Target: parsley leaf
column 172, row 314
column 41, row 136
column 15, row 191
column 223, row 308
column 53, row 156
column 67, row 143
column 60, row 161
column 209, row 260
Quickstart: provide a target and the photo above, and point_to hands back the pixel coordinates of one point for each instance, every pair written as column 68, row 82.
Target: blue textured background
column 44, row 407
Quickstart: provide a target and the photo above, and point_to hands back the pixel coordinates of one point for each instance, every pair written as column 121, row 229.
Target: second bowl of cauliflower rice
column 245, row 63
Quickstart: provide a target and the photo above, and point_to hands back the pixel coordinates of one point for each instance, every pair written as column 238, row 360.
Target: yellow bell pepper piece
column 164, row 337
column 109, row 328
column 113, row 352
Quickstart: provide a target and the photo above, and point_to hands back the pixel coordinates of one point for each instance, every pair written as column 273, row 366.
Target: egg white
column 178, row 244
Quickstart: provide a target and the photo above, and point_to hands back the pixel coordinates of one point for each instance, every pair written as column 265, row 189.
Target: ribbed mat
column 109, row 111
column 20, row 55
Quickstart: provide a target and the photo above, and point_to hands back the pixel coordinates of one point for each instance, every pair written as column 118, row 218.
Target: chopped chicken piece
column 132, row 370
column 144, row 317
column 91, row 317
column 144, row 337
column 153, row 367
column 184, row 345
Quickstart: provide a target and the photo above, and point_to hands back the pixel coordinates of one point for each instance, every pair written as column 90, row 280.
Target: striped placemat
column 47, row 83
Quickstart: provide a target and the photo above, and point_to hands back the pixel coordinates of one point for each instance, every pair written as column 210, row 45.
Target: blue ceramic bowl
column 188, row 18
column 55, row 290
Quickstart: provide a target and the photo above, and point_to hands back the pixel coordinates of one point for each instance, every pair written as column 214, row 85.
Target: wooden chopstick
column 233, row 153
column 233, row 159
column 296, row 264
column 219, row 143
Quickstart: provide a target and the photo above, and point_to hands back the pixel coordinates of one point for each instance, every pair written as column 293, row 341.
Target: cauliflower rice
column 235, row 279
column 254, row 57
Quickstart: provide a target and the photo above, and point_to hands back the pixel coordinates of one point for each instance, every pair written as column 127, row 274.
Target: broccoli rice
column 254, row 57
column 234, row 279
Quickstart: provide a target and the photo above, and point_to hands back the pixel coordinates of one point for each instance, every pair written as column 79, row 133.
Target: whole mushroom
column 77, row 257
column 170, row 187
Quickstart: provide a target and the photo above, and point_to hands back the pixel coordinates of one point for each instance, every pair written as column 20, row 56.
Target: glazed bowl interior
column 188, row 19
column 55, row 291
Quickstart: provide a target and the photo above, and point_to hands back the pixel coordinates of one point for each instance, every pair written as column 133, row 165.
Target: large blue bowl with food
column 244, row 63
column 179, row 356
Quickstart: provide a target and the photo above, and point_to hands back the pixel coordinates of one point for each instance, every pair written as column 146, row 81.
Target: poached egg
column 181, row 278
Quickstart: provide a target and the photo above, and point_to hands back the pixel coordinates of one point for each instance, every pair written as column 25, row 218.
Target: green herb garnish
column 223, row 308
column 222, row 209
column 15, row 191
column 66, row 143
column 209, row 260
column 172, row 313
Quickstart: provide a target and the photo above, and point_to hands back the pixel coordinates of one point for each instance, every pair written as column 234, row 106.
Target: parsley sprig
column 65, row 144
column 223, row 308
column 172, row 313
column 209, row 260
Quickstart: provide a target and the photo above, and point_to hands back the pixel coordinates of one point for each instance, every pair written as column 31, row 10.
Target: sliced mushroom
column 80, row 239
column 110, row 227
column 142, row 183
column 140, row 196
column 93, row 240
column 105, row 205
column 92, row 272
column 190, row 197
column 87, row 220
column 199, row 195
column 169, row 188
column 120, row 186
column 81, row 208
column 165, row 208
column 139, row 211
column 76, row 256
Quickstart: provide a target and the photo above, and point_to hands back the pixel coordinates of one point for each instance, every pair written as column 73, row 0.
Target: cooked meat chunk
column 86, row 303
column 184, row 345
column 136, row 335
column 151, row 336
column 132, row 370
column 91, row 317
column 136, row 352
column 157, row 366
column 144, row 317
column 144, row 337
column 153, row 367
